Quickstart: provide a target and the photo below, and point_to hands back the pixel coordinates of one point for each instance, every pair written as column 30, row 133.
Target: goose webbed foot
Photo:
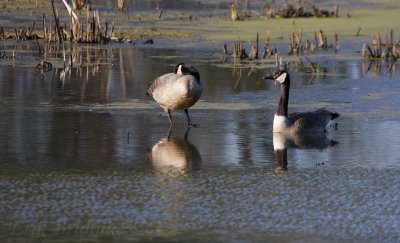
column 190, row 124
column 193, row 125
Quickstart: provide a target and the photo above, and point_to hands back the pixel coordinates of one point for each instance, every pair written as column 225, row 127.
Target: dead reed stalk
column 379, row 50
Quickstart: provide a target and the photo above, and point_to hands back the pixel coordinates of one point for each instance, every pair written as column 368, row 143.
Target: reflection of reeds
column 376, row 66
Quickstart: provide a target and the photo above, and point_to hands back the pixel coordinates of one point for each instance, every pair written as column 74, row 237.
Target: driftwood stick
column 290, row 44
column 371, row 53
column 336, row 38
column 2, row 33
column 364, row 50
column 39, row 48
column 106, row 30
column 321, row 39
column 358, row 31
column 31, row 29
column 16, row 34
column 316, row 39
column 336, row 11
column 44, row 26
column 112, row 30
column 81, row 36
column 256, row 56
column 88, row 31
column 379, row 45
column 93, row 27
column 100, row 34
column 300, row 38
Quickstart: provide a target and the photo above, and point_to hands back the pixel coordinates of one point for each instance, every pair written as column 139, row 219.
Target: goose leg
column 187, row 133
column 190, row 124
column 170, row 118
column 169, row 132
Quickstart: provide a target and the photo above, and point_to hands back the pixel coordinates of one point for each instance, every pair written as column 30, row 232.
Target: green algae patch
column 370, row 22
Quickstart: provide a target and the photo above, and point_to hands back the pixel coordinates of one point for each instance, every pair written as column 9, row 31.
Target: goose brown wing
column 161, row 81
column 315, row 120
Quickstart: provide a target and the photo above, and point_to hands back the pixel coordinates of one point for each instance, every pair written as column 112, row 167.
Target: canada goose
column 314, row 121
column 177, row 91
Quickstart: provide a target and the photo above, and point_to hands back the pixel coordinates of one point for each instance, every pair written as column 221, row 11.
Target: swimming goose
column 314, row 121
column 177, row 91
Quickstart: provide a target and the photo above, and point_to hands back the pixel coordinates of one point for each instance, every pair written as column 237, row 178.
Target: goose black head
column 178, row 68
column 279, row 75
column 181, row 68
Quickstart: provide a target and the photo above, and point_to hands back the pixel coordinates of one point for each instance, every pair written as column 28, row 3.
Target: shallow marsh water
column 85, row 155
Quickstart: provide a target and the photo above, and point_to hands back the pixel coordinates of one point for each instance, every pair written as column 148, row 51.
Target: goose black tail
column 149, row 89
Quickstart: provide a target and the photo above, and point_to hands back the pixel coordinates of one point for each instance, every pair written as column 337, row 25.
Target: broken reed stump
column 320, row 41
column 336, row 41
column 323, row 43
column 238, row 51
column 60, row 39
column 268, row 50
column 79, row 4
column 95, row 33
column 120, row 5
column 234, row 12
column 379, row 50
column 295, row 45
column 2, row 33
column 358, row 31
column 54, row 31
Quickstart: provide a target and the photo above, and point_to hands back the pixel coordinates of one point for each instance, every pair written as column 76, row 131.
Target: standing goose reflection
column 283, row 141
column 173, row 154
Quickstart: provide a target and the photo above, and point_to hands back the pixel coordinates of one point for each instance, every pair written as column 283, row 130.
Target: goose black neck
column 284, row 100
column 197, row 76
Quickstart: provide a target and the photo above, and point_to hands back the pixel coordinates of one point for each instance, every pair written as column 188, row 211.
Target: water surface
column 84, row 154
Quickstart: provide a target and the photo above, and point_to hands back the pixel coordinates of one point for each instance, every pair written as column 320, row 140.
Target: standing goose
column 177, row 91
column 314, row 121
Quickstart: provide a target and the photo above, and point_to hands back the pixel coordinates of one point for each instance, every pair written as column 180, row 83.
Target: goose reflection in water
column 283, row 141
column 175, row 155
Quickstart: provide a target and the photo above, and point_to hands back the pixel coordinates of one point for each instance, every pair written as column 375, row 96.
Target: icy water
column 84, row 154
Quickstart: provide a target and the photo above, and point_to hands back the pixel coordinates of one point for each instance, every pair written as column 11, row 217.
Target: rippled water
column 85, row 154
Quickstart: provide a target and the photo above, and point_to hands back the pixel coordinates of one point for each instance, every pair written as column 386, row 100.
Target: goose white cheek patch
column 179, row 71
column 281, row 78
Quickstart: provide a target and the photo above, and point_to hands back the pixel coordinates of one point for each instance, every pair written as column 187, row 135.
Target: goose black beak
column 269, row 77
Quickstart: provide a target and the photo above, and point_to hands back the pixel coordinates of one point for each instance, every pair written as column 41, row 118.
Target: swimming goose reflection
column 283, row 141
column 172, row 154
